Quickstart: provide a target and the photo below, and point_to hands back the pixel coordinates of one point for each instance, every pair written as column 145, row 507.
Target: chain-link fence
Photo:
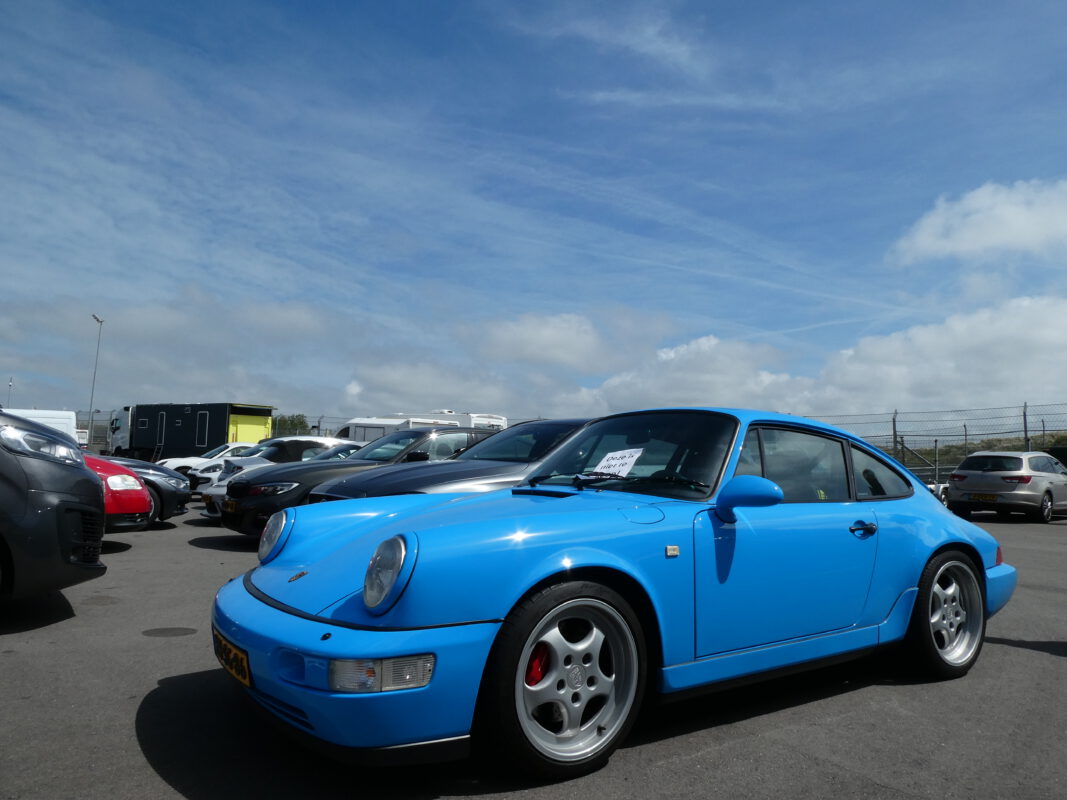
column 932, row 443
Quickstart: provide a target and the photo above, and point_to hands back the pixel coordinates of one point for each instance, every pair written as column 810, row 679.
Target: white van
column 66, row 421
column 367, row 429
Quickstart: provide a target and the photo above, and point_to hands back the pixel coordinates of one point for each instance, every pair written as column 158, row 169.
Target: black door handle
column 867, row 528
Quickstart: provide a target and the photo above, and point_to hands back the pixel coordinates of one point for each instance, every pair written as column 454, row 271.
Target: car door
column 797, row 569
column 1055, row 477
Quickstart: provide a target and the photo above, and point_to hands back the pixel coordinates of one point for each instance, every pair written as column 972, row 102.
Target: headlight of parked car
column 210, row 470
column 123, row 482
column 274, row 535
column 180, row 484
column 267, row 489
column 388, row 573
column 40, row 445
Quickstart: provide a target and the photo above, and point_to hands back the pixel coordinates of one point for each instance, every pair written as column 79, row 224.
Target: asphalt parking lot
column 110, row 690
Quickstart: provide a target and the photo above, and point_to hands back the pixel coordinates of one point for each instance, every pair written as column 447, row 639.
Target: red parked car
column 126, row 500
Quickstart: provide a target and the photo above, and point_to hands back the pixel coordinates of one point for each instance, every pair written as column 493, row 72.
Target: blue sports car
column 655, row 552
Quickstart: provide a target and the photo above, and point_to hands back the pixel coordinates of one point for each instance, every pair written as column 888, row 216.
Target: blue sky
column 534, row 208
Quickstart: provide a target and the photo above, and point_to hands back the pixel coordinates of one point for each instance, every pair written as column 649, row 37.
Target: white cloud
column 993, row 356
column 1028, row 217
column 563, row 340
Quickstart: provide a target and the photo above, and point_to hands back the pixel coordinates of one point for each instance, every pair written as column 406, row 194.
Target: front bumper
column 56, row 544
column 288, row 658
column 249, row 515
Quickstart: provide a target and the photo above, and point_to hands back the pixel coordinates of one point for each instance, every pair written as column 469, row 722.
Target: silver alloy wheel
column 956, row 613
column 1046, row 508
column 583, row 663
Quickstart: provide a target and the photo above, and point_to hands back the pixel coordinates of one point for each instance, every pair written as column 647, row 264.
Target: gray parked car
column 1006, row 481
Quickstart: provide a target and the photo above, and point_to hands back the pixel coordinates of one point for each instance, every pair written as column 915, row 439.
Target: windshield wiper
column 681, row 480
column 587, row 478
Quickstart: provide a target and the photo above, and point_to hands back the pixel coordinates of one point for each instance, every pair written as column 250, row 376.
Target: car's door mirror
column 746, row 491
column 417, row 455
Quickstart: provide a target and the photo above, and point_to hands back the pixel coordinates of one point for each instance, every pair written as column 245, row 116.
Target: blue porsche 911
column 655, row 552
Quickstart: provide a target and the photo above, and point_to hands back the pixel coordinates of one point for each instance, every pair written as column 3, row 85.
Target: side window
column 750, row 462
column 310, row 452
column 445, row 444
column 1042, row 464
column 809, row 468
column 876, row 479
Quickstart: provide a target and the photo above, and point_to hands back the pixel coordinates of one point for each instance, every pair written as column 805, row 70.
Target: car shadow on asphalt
column 31, row 613
column 728, row 704
column 205, row 739
column 1051, row 648
column 111, row 546
column 233, row 543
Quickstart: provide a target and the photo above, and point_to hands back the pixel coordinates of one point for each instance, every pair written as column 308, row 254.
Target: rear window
column 992, row 463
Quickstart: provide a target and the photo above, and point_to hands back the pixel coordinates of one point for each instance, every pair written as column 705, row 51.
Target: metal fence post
column 1026, row 430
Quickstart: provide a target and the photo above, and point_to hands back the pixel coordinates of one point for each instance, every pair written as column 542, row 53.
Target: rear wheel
column 948, row 622
column 1044, row 511
column 564, row 682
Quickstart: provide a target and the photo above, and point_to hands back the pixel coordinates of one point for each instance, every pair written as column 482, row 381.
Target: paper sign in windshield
column 619, row 463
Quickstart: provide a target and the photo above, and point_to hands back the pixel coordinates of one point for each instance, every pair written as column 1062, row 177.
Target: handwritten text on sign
column 620, row 462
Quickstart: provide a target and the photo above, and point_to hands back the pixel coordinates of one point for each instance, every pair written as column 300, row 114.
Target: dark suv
column 51, row 510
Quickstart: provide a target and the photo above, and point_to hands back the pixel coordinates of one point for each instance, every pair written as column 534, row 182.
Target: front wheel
column 564, row 682
column 948, row 623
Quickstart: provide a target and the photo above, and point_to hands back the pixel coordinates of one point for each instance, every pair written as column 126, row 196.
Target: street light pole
column 92, row 391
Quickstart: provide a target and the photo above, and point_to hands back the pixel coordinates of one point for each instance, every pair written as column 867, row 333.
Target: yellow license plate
column 229, row 506
column 985, row 498
column 233, row 659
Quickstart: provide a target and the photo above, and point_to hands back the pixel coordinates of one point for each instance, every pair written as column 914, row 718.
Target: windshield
column 258, row 449
column 389, row 446
column 214, row 451
column 522, row 444
column 669, row 453
column 338, row 452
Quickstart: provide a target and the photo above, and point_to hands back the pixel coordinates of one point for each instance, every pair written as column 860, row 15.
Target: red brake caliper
column 537, row 666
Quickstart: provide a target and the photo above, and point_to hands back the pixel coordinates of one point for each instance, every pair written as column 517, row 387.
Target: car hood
column 321, row 567
column 309, row 472
column 404, row 478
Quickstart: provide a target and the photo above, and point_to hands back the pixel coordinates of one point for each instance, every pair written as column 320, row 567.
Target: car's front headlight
column 40, row 445
column 269, row 489
column 274, row 536
column 121, row 483
column 181, row 484
column 388, row 573
column 209, row 470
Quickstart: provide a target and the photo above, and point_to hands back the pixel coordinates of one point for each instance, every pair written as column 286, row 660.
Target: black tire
column 582, row 646
column 156, row 507
column 948, row 622
column 1044, row 511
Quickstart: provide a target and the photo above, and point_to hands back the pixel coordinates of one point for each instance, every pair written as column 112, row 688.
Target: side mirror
column 417, row 455
column 746, row 491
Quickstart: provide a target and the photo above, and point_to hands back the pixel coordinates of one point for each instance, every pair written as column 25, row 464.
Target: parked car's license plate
column 229, row 506
column 233, row 659
column 985, row 498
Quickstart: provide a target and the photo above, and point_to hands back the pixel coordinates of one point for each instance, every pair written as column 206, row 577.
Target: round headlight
column 383, row 571
column 272, row 540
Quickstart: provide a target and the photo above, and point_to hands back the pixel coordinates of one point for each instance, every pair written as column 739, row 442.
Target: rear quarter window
column 876, row 479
